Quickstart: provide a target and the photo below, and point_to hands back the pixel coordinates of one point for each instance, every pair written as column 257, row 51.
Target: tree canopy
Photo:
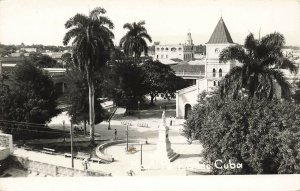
column 134, row 42
column 30, row 96
column 262, row 134
column 77, row 97
column 258, row 73
column 160, row 78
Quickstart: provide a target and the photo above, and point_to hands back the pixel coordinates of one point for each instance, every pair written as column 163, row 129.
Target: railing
column 196, row 74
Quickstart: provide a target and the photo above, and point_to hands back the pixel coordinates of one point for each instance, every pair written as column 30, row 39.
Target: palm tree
column 259, row 72
column 92, row 42
column 134, row 42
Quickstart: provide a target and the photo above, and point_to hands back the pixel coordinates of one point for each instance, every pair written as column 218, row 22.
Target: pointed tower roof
column 220, row 35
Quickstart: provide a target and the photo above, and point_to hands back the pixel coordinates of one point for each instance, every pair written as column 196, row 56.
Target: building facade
column 214, row 71
column 184, row 52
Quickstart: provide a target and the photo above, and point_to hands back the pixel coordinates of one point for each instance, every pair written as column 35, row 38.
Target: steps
column 172, row 157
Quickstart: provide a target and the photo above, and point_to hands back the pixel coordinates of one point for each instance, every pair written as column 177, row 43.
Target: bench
column 67, row 155
column 48, row 150
column 97, row 160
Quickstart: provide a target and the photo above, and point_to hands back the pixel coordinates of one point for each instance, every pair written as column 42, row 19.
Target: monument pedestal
column 164, row 152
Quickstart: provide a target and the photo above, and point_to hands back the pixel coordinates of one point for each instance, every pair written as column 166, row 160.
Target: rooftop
column 221, row 34
column 189, row 68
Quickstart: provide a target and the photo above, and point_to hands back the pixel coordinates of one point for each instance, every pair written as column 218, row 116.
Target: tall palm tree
column 134, row 42
column 92, row 42
column 259, row 72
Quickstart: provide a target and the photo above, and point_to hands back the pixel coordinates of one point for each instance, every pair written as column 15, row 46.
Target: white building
column 185, row 52
column 214, row 70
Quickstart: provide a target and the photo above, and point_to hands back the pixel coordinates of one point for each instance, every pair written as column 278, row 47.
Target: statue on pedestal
column 163, row 116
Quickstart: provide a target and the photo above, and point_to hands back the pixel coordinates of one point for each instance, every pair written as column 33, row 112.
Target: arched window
column 162, row 49
column 167, row 49
column 214, row 83
column 220, row 72
column 214, row 72
column 187, row 110
column 157, row 49
column 179, row 49
column 173, row 49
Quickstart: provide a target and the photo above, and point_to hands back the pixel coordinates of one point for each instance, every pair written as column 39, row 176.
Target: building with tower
column 214, row 70
column 172, row 53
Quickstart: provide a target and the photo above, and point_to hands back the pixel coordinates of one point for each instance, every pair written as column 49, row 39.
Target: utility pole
column 64, row 127
column 127, row 139
column 72, row 157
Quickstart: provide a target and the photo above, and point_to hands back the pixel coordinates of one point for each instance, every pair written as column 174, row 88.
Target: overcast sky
column 167, row 21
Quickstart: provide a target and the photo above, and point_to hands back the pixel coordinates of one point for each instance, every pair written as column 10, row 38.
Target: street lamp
column 139, row 109
column 141, row 143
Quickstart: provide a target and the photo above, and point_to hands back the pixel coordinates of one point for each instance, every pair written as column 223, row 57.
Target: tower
column 219, row 40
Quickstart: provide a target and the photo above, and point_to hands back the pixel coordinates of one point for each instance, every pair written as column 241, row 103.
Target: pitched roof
column 188, row 68
column 220, row 35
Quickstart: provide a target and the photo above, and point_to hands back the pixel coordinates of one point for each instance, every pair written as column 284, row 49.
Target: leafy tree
column 92, row 42
column 160, row 78
column 260, row 60
column 42, row 61
column 77, row 97
column 31, row 96
column 67, row 59
column 263, row 134
column 134, row 42
column 125, row 84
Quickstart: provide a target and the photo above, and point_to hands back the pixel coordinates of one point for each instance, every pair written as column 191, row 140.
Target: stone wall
column 51, row 170
column 6, row 141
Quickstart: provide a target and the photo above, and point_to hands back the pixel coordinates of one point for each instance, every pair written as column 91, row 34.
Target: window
column 214, row 83
column 173, row 49
column 220, row 72
column 157, row 49
column 162, row 49
column 162, row 56
column 214, row 72
column 167, row 49
column 218, row 83
column 166, row 56
column 179, row 49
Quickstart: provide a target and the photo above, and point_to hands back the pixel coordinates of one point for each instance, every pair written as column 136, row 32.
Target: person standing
column 116, row 134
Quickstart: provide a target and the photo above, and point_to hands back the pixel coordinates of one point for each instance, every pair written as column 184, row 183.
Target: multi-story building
column 183, row 52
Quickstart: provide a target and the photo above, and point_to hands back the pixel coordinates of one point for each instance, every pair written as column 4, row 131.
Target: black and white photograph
column 188, row 89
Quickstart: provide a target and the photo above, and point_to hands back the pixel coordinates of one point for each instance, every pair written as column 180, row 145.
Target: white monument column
column 164, row 151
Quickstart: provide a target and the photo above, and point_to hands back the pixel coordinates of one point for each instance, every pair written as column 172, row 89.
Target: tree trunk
column 91, row 104
column 84, row 127
column 152, row 98
column 91, row 112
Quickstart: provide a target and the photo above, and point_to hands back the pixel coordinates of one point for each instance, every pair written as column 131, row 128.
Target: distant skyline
column 167, row 21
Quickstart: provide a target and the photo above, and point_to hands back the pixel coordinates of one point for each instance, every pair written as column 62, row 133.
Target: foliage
column 260, row 60
column 78, row 98
column 125, row 84
column 30, row 97
column 134, row 42
column 263, row 135
column 42, row 61
column 92, row 43
column 67, row 59
column 160, row 78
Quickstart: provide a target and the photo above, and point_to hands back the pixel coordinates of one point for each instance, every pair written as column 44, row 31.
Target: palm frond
column 234, row 53
column 97, row 11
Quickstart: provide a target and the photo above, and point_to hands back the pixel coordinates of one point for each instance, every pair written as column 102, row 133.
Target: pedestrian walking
column 116, row 134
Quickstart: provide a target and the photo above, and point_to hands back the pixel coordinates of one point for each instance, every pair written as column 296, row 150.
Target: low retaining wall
column 100, row 149
column 50, row 169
